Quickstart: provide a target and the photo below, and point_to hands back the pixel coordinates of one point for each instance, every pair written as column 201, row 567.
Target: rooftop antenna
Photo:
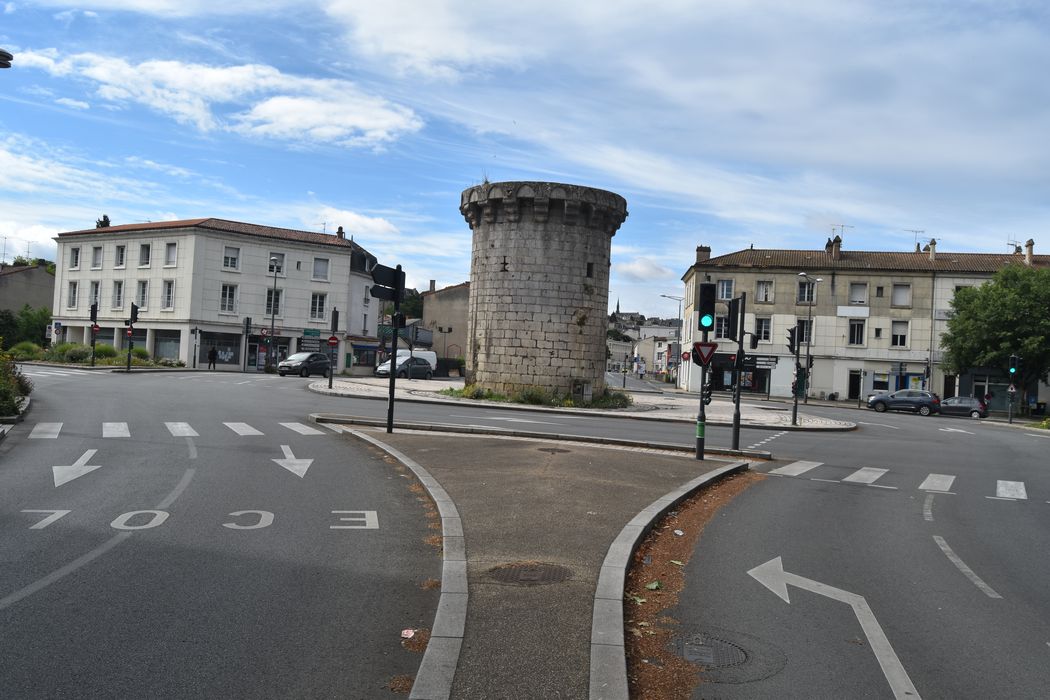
column 324, row 226
column 915, row 231
column 841, row 227
column 1014, row 245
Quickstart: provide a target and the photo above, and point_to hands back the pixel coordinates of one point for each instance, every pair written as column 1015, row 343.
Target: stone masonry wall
column 539, row 284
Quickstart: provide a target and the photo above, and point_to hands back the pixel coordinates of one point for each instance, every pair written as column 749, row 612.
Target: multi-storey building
column 869, row 320
column 203, row 283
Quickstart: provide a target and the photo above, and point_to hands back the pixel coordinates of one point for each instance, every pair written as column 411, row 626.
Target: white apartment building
column 874, row 320
column 203, row 283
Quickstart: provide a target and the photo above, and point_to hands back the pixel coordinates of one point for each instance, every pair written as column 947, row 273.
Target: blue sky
column 726, row 123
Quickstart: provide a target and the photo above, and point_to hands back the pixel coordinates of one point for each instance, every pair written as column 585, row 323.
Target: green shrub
column 77, row 353
column 23, row 384
column 535, row 396
column 611, row 399
column 57, row 353
column 140, row 353
column 170, row 362
column 27, row 350
column 8, row 397
column 103, row 350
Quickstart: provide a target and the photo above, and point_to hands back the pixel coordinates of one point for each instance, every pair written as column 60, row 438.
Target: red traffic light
column 129, row 332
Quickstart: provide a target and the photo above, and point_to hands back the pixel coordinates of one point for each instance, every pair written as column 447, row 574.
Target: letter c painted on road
column 265, row 520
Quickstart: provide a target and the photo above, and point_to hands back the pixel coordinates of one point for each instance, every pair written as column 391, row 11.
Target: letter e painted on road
column 365, row 519
column 265, row 520
column 121, row 523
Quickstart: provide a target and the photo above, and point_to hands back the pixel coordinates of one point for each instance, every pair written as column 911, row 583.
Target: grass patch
column 535, row 396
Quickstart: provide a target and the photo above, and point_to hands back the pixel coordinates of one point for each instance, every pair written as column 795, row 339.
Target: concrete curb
column 608, row 673
column 24, row 403
column 379, row 423
column 438, row 667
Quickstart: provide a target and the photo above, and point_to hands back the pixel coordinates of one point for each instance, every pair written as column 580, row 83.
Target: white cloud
column 643, row 269
column 74, row 104
column 9, row 8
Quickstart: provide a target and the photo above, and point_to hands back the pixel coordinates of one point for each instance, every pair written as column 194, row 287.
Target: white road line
column 927, row 508
column 829, row 481
column 967, row 571
column 302, row 429
column 45, row 431
column 937, row 482
column 115, row 430
column 1045, row 437
column 333, row 427
column 881, row 425
column 242, row 429
column 796, row 468
column 181, row 430
column 1010, row 489
column 865, row 475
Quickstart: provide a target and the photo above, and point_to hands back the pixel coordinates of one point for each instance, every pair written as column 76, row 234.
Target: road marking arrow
column 76, row 469
column 954, row 430
column 295, row 466
column 772, row 576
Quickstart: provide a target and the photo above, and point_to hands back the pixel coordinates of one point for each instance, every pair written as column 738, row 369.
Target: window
column 364, row 325
column 277, row 266
column 317, row 304
column 725, row 289
column 170, row 254
column 763, row 328
column 74, row 258
column 320, row 268
column 273, row 302
column 590, row 269
column 878, row 292
column 228, row 299
column 144, row 253
column 806, row 291
column 94, row 292
column 119, row 262
column 858, row 292
column 368, row 295
column 71, row 300
column 231, row 258
column 142, row 294
column 96, row 257
column 118, row 294
column 764, row 292
column 899, row 334
column 856, row 331
column 901, row 295
column 878, row 332
column 168, row 297
column 805, row 330
column 721, row 326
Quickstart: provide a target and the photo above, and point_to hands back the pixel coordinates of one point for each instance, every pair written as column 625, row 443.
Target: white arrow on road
column 772, row 576
column 954, row 430
column 76, row 469
column 295, row 466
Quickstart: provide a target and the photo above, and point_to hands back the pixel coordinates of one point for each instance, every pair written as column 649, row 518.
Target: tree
column 614, row 334
column 8, row 329
column 1008, row 316
column 103, row 222
column 32, row 324
column 411, row 305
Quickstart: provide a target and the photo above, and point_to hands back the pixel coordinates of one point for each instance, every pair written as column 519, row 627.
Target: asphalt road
column 190, row 563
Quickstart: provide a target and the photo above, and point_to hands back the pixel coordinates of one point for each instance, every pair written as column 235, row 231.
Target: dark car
column 413, row 367
column 304, row 364
column 964, row 406
column 922, row 402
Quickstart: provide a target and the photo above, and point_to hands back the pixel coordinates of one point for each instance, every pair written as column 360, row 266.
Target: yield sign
column 706, row 351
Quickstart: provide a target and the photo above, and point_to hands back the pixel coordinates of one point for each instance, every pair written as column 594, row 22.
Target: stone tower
column 539, row 285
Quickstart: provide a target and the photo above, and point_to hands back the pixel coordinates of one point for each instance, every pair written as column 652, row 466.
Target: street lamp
column 444, row 334
column 809, row 328
column 681, row 326
column 270, row 352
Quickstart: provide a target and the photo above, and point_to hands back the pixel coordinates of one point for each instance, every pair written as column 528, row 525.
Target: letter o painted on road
column 158, row 518
column 265, row 520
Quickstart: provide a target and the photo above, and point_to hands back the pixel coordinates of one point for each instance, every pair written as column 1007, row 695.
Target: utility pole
column 738, row 369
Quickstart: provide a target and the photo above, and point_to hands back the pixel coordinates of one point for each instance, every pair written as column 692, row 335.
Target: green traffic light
column 1013, row 370
column 707, row 321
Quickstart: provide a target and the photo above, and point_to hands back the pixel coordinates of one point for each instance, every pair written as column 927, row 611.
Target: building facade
column 204, row 283
column 25, row 284
column 445, row 314
column 870, row 320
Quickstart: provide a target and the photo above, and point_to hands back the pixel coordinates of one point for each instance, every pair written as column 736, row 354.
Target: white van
column 429, row 355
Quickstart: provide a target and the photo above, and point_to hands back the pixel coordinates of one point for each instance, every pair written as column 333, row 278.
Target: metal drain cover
column 530, row 573
column 711, row 652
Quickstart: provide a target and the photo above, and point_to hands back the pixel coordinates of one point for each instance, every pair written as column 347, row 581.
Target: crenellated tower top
column 543, row 203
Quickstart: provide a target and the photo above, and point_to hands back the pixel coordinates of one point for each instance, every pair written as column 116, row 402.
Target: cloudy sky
column 722, row 122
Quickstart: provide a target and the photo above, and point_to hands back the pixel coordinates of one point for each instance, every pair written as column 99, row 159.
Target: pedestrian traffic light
column 793, row 339
column 705, row 393
column 94, row 313
column 706, row 306
column 734, row 317
column 134, row 312
column 1013, row 366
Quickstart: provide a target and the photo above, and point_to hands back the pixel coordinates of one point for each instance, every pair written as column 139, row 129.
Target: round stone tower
column 539, row 285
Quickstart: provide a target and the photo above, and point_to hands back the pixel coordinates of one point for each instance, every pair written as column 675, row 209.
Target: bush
column 27, row 350
column 57, row 353
column 611, row 399
column 535, row 397
column 103, row 351
column 78, row 353
column 8, row 398
column 140, row 353
column 170, row 362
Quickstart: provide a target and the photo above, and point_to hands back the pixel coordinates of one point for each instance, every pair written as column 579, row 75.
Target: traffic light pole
column 701, row 416
column 738, row 371
column 794, row 384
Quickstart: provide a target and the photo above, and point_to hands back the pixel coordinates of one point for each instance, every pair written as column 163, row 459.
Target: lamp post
column 271, row 351
column 681, row 327
column 444, row 334
column 809, row 328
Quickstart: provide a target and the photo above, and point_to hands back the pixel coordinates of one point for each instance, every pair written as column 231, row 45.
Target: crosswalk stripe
column 937, row 482
column 865, row 475
column 181, row 430
column 796, row 468
column 45, row 431
column 115, row 430
column 1011, row 489
column 242, row 429
column 302, row 429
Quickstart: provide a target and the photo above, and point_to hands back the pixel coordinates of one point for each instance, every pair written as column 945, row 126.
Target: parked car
column 922, row 402
column 964, row 406
column 413, row 367
column 304, row 364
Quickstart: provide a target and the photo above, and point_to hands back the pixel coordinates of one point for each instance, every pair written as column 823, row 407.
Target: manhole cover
column 711, row 652
column 530, row 573
column 553, row 450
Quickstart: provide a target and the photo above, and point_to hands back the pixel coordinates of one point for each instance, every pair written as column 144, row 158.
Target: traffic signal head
column 705, row 393
column 754, row 342
column 793, row 339
column 134, row 312
column 706, row 306
column 94, row 313
column 1013, row 366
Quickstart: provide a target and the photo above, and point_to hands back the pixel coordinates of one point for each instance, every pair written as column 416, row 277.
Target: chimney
column 433, row 286
column 1029, row 249
column 703, row 253
column 827, row 247
column 933, row 249
column 836, row 248
column 341, row 233
column 917, row 248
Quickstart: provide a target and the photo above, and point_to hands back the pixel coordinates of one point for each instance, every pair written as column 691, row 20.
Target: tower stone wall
column 539, row 285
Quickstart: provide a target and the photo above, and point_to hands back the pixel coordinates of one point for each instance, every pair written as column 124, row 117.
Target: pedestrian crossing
column 118, row 430
column 54, row 372
column 868, row 476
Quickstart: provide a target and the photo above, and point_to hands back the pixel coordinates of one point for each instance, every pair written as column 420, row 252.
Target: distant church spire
column 617, row 306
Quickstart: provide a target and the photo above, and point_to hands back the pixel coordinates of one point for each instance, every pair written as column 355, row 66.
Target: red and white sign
column 333, row 340
column 685, row 356
column 706, row 351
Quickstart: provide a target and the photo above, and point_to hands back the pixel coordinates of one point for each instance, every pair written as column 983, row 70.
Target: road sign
column 706, row 351
column 1012, row 389
column 264, row 331
column 685, row 356
column 333, row 341
column 315, row 332
column 95, row 328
